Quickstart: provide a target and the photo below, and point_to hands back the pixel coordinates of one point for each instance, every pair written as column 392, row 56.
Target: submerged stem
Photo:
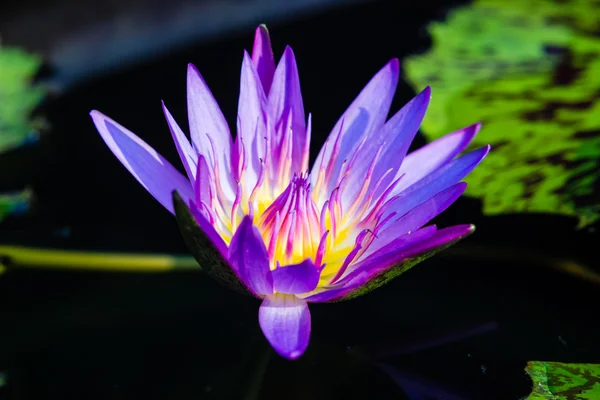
column 31, row 257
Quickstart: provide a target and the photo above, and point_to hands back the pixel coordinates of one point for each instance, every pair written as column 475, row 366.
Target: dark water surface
column 454, row 327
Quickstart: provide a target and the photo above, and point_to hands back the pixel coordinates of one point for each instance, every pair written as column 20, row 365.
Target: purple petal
column 297, row 278
column 188, row 156
column 249, row 258
column 285, row 98
column 397, row 246
column 251, row 121
column 394, row 139
column 285, row 322
column 203, row 185
column 150, row 169
column 206, row 120
column 439, row 180
column 262, row 57
column 384, row 262
column 418, row 216
column 366, row 115
column 430, row 157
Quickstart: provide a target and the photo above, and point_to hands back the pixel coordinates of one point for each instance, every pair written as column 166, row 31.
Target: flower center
column 291, row 226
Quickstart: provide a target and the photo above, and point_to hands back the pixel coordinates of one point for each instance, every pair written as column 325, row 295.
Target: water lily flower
column 256, row 218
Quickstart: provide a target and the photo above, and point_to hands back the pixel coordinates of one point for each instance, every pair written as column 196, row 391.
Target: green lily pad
column 558, row 381
column 18, row 97
column 204, row 252
column 530, row 71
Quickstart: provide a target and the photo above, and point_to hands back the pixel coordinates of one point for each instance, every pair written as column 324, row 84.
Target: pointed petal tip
column 486, row 149
column 394, row 66
column 427, row 91
column 288, row 52
column 262, row 29
column 192, row 71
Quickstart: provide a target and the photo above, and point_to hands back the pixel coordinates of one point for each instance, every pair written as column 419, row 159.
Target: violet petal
column 248, row 256
column 285, row 322
column 432, row 156
column 386, row 266
column 285, row 98
column 262, row 57
column 251, row 121
column 418, row 216
column 188, row 155
column 394, row 138
column 366, row 115
column 206, row 120
column 150, row 169
column 297, row 278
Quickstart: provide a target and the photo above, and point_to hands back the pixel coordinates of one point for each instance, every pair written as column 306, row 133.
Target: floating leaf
column 18, row 97
column 530, row 71
column 14, row 203
column 558, row 381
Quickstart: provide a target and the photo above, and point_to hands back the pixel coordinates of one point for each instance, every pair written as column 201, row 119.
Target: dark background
column 460, row 326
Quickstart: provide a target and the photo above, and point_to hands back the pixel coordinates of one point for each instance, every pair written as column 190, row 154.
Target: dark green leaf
column 558, row 381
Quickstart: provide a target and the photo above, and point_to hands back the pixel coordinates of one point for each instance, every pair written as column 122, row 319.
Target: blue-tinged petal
column 366, row 115
column 262, row 57
column 432, row 156
column 394, row 139
column 285, row 322
column 188, row 156
column 397, row 245
column 285, row 98
column 439, row 180
column 251, row 121
column 203, row 185
column 387, row 265
column 206, row 120
column 416, row 217
column 297, row 278
column 150, row 169
column 249, row 258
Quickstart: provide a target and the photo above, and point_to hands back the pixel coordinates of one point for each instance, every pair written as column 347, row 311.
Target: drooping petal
column 297, row 278
column 366, row 115
column 285, row 322
column 150, row 169
column 248, row 256
column 188, row 156
column 386, row 266
column 206, row 120
column 285, row 101
column 394, row 139
column 262, row 57
column 432, row 156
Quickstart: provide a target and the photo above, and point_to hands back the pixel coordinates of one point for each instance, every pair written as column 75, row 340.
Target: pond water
column 461, row 325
